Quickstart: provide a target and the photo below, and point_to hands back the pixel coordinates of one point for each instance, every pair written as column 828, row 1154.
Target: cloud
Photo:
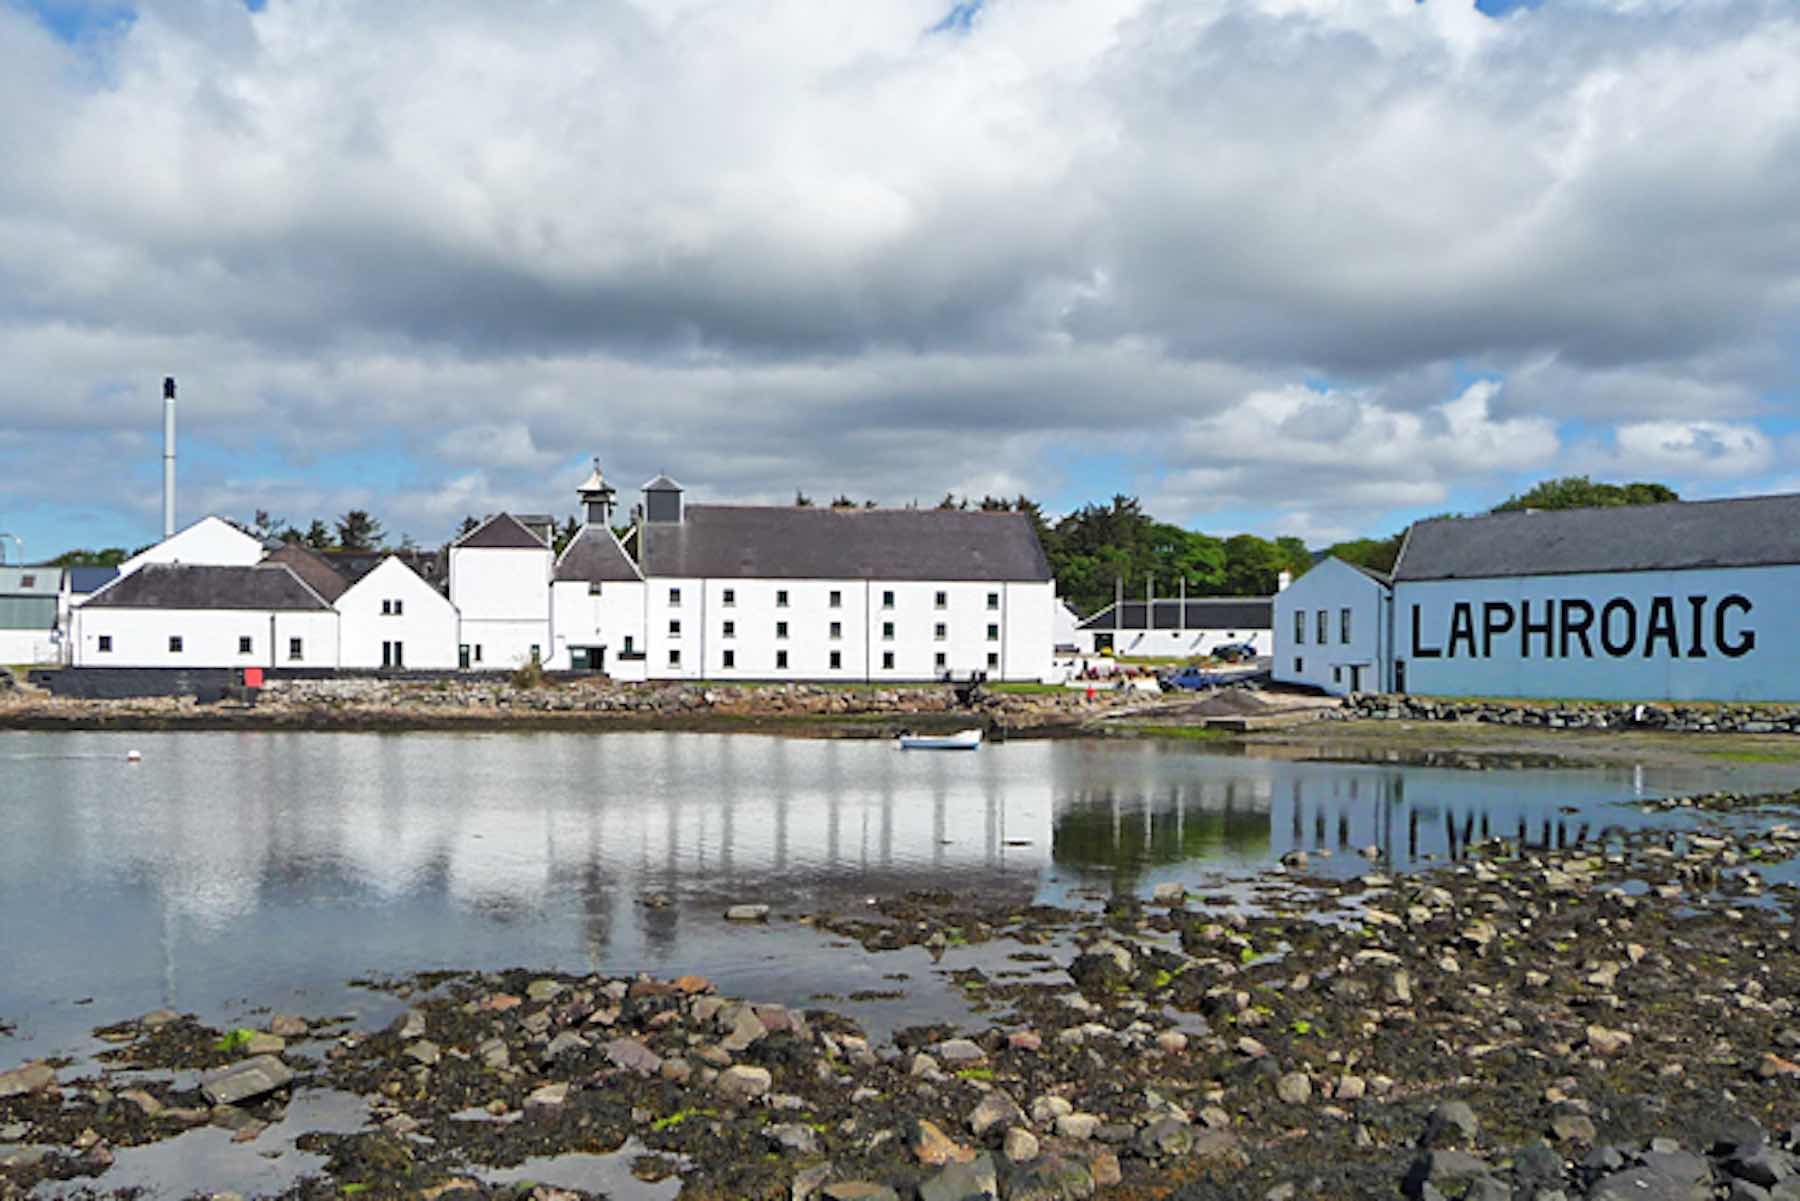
column 1247, row 247
column 1683, row 450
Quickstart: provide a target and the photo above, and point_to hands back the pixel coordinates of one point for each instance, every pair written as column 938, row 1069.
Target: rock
column 1573, row 1127
column 1024, row 1040
column 1452, row 1122
column 1647, row 1184
column 23, row 1157
column 743, row 1027
column 933, row 1147
column 632, row 1055
column 1607, row 1042
column 1439, row 1169
column 147, row 1104
column 547, row 1100
column 425, row 1051
column 1760, row 1165
column 1172, row 1042
column 1214, row 1118
column 859, row 1190
column 1349, row 1088
column 564, row 1043
column 743, row 1083
column 1773, row 1066
column 973, row 1180
column 543, row 990
column 808, row 1181
column 1054, row 1178
column 794, row 1137
column 288, row 1026
column 924, row 1065
column 158, row 1018
column 264, row 1044
column 1294, row 859
column 403, row 1124
column 410, row 1026
column 242, row 1081
column 693, row 985
column 1249, row 1046
column 1166, row 1137
column 1295, row 1088
column 1169, row 894
column 995, row 1109
column 1105, row 1168
column 493, row 1053
column 1077, row 1125
column 1021, row 1146
column 32, row 1078
column 960, row 1050
column 1397, row 989
column 1047, row 1109
column 747, row 913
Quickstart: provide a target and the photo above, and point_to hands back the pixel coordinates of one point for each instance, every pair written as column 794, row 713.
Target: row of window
column 392, row 608
column 728, row 598
column 246, row 645
column 939, row 633
column 729, row 662
column 1323, row 626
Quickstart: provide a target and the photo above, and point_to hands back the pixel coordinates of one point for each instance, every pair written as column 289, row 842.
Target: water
column 227, row 872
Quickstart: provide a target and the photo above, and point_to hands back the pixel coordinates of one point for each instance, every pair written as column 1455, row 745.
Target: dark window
column 837, row 629
column 942, row 600
column 674, row 658
column 536, row 652
column 387, row 608
column 1299, row 627
column 993, row 661
column 243, row 645
column 1337, row 675
column 730, row 597
column 674, row 598
column 174, row 644
column 780, row 660
column 940, row 631
column 594, row 588
column 1299, row 667
column 399, row 654
column 295, row 649
column 781, row 629
column 887, row 600
column 940, row 659
column 887, row 660
column 478, row 652
column 730, row 630
column 837, row 660
column 1343, row 625
column 27, row 581
column 993, row 632
column 837, row 599
column 887, row 630
column 1324, row 627
column 628, row 647
column 105, row 643
column 730, row 660
column 674, row 629
column 781, row 598
column 399, row 607
column 993, row 600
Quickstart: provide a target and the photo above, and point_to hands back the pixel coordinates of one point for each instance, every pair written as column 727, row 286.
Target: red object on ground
column 253, row 677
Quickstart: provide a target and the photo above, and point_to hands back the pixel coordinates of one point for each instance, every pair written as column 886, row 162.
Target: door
column 1400, row 676
column 387, row 654
column 399, row 654
column 462, row 657
column 1356, row 678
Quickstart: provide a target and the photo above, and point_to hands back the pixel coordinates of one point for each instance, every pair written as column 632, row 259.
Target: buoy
column 134, row 756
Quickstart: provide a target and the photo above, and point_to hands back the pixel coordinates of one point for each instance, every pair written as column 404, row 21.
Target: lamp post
column 21, row 544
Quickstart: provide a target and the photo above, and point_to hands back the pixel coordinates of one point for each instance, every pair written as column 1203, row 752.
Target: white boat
column 962, row 740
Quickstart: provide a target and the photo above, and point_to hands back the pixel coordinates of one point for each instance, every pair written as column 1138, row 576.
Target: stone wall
column 1685, row 718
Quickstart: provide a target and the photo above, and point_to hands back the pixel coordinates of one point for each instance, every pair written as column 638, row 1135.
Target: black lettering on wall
column 1618, row 606
column 1577, row 620
column 1661, row 627
column 1696, row 648
column 1546, row 628
column 1462, row 628
column 1746, row 642
column 1492, row 613
column 1420, row 650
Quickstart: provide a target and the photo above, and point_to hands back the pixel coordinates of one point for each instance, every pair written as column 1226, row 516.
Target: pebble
column 933, row 1147
column 744, row 1083
column 1295, row 1088
column 1077, row 1125
column 1020, row 1146
column 747, row 913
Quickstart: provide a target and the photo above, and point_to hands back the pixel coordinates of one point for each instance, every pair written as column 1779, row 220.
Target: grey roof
column 1203, row 613
column 502, row 531
column 318, row 573
column 45, row 581
column 1749, row 532
column 353, row 565
column 595, row 556
column 662, row 483
column 794, row 543
column 1380, row 577
column 85, row 580
column 191, row 586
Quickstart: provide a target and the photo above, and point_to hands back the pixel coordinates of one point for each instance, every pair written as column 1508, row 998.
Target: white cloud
column 1682, row 450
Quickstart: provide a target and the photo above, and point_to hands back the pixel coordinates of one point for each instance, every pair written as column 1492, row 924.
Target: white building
column 500, row 584
column 1166, row 628
column 1332, row 629
column 30, row 632
column 211, row 541
column 393, row 618
column 186, row 615
column 597, row 596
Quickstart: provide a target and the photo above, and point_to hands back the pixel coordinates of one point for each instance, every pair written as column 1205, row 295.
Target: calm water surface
column 230, row 871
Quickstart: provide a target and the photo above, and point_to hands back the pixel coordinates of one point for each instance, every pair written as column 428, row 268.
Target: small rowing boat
column 962, row 740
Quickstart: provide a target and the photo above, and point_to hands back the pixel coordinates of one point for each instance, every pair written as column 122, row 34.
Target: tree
column 843, row 501
column 1253, row 566
column 802, row 500
column 1377, row 554
column 318, row 536
column 356, row 530
column 1580, row 492
column 469, row 525
column 110, row 556
column 265, row 526
column 950, row 502
column 564, row 534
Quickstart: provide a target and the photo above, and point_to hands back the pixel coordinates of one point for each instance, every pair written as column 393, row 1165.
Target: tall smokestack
column 168, row 456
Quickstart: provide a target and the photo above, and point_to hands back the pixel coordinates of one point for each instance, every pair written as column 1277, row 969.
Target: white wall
column 425, row 627
column 503, row 595
column 209, row 542
column 1180, row 643
column 1744, row 645
column 140, row 637
column 580, row 617
column 1336, row 665
column 28, row 646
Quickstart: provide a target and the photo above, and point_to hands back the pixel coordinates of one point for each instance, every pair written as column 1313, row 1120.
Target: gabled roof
column 84, row 580
column 1380, row 577
column 1756, row 531
column 795, row 543
column 268, row 586
column 502, row 531
column 1203, row 613
column 595, row 556
column 319, row 574
column 45, row 581
column 662, row 483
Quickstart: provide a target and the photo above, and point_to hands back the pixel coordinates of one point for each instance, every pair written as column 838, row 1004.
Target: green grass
column 236, row 1040
column 1196, row 733
column 1755, row 756
column 1027, row 688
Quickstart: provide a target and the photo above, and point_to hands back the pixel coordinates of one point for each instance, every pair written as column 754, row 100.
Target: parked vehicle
column 1235, row 652
column 1193, row 678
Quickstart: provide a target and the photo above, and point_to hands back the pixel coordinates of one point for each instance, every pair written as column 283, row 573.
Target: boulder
column 1053, row 1178
column 935, row 1148
column 32, row 1078
column 246, row 1080
column 744, row 1083
column 632, row 1055
column 973, row 1180
column 747, row 913
column 995, row 1109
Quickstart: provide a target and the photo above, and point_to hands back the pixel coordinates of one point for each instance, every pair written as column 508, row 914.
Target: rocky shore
column 1608, row 1021
column 1555, row 715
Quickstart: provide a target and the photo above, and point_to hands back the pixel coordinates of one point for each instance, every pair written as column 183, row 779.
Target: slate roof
column 353, row 565
column 1754, row 531
column 45, row 581
column 794, row 543
column 1203, row 613
column 595, row 556
column 319, row 574
column 191, row 586
column 85, row 580
column 1380, row 577
column 661, row 483
column 502, row 531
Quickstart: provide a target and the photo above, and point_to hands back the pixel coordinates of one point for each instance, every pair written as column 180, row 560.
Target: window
column 993, row 600
column 887, row 600
column 940, row 631
column 399, row 606
column 837, row 660
column 674, row 598
column 243, row 645
column 993, row 661
column 296, row 649
column 399, row 654
column 730, row 660
column 478, row 652
column 837, row 599
column 781, row 598
column 942, row 600
column 730, row 630
column 781, row 629
column 106, row 644
column 387, row 608
column 1299, row 628
column 993, row 632
column 837, row 629
column 1337, row 675
column 674, row 658
column 629, row 649
column 174, row 644
column 940, row 660
column 1343, row 625
column 594, row 588
column 887, row 660
column 887, row 630
column 1299, row 667
column 536, row 652
column 674, row 629
column 27, row 581
column 729, row 599
column 780, row 660
column 1324, row 627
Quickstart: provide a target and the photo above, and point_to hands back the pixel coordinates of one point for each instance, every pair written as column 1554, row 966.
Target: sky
column 1309, row 267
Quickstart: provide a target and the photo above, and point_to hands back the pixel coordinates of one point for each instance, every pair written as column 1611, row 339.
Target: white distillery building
column 192, row 615
column 500, row 584
column 211, row 542
column 392, row 617
column 1332, row 627
column 597, row 595
column 30, row 629
column 1183, row 628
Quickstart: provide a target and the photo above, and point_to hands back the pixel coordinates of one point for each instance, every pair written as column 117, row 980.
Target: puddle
column 608, row 1174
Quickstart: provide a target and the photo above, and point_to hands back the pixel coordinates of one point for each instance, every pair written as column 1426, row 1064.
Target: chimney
column 168, row 456
column 1283, row 580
